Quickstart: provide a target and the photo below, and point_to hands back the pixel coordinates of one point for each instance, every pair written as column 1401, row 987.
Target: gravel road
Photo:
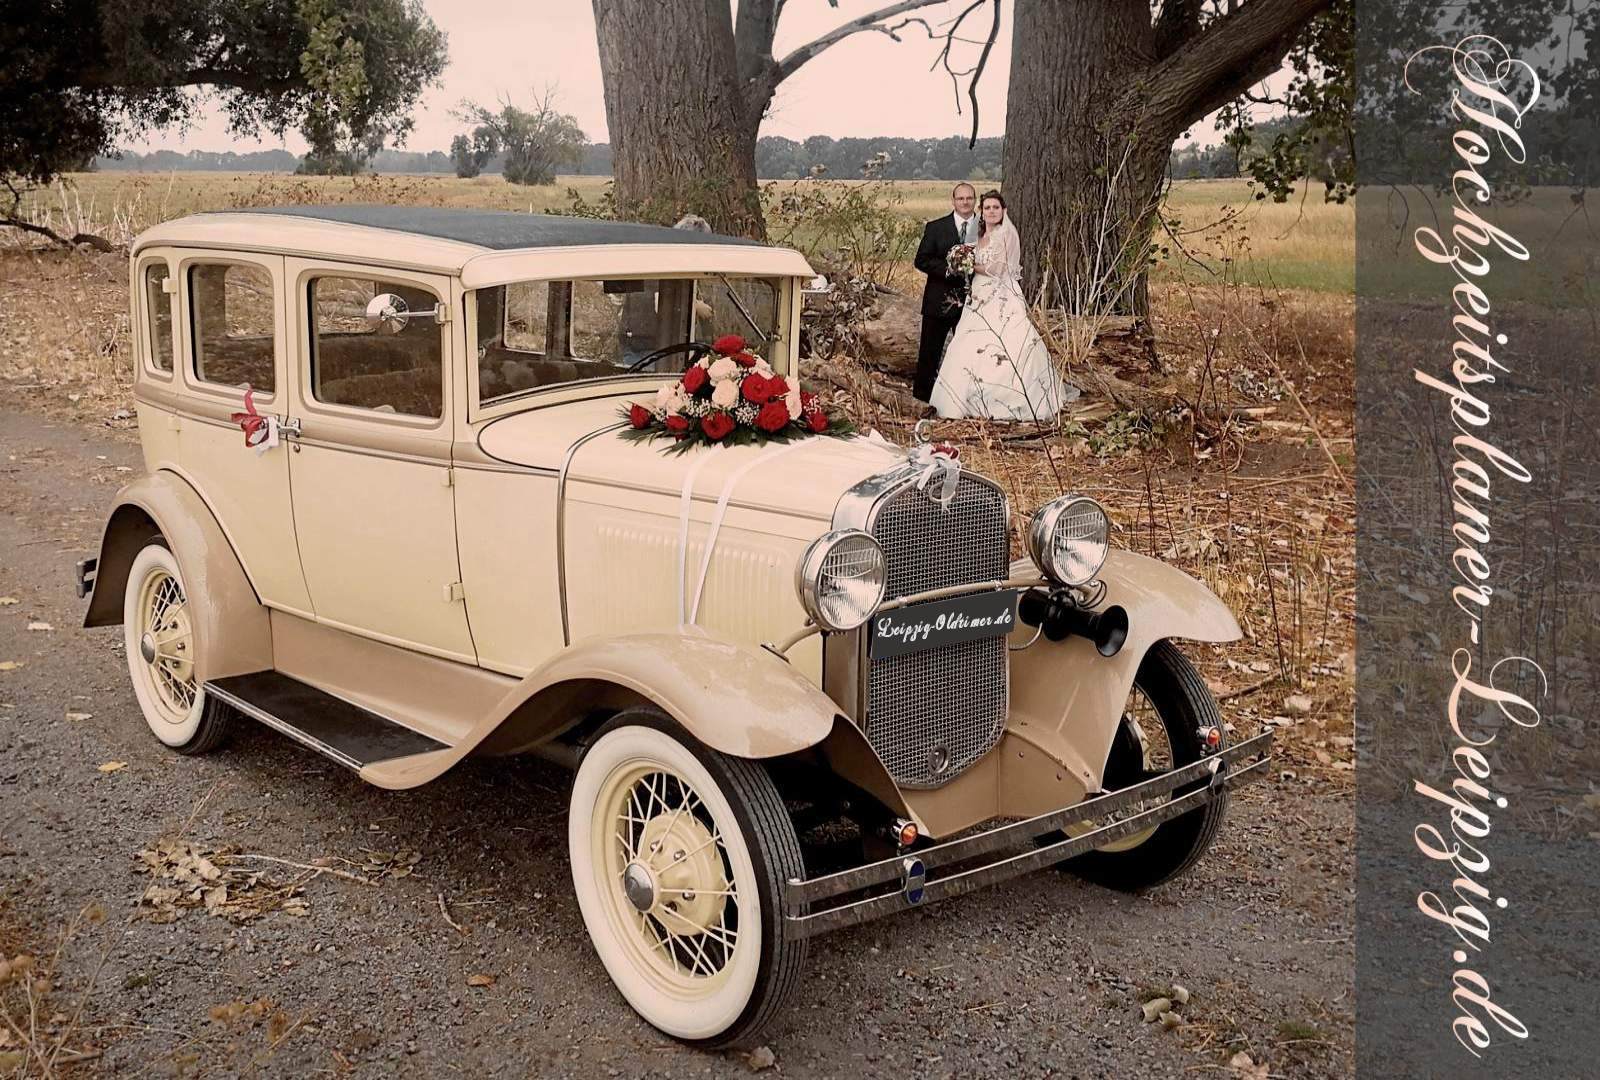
column 1041, row 977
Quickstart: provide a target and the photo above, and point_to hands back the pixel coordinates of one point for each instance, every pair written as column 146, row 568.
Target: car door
column 370, row 467
column 233, row 312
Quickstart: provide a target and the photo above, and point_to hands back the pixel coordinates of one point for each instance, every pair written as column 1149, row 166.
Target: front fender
column 1067, row 699
column 232, row 626
column 740, row 700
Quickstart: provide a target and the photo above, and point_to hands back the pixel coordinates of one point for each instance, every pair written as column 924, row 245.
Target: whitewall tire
column 163, row 649
column 679, row 855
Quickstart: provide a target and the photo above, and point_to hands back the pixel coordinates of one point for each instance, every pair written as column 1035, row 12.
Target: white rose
column 726, row 395
column 792, row 398
column 724, row 368
column 668, row 399
column 762, row 367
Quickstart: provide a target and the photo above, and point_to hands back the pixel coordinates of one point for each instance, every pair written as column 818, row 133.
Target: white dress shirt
column 961, row 227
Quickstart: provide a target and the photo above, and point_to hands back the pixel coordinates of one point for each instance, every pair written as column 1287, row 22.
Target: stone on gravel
column 761, row 1058
column 1155, row 1007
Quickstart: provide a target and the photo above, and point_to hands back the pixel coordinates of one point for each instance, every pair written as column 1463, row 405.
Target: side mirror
column 817, row 286
column 388, row 313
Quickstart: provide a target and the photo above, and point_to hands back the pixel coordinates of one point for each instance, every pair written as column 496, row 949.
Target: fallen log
column 853, row 380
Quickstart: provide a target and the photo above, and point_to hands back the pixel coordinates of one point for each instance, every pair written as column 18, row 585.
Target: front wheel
column 1161, row 729
column 679, row 858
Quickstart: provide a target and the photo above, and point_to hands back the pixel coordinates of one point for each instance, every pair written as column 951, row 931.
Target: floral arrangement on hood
column 731, row 396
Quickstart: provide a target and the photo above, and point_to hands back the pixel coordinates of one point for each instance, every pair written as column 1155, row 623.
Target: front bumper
column 896, row 884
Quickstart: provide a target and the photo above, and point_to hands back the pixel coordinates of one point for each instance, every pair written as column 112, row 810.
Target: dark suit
column 942, row 297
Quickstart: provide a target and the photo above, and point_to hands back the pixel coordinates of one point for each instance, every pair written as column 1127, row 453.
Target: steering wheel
column 696, row 348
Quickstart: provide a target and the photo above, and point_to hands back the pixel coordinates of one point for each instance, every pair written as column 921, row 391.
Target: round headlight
column 1068, row 539
column 841, row 579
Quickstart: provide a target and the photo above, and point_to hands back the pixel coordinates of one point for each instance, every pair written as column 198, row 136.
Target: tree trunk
column 681, row 139
column 1084, row 162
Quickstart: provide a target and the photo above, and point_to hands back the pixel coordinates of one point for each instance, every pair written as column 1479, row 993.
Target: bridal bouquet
column 963, row 259
column 732, row 396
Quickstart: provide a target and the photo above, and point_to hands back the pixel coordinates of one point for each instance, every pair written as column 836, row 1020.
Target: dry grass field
column 1216, row 231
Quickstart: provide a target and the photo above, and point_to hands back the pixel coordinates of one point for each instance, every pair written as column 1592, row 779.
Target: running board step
column 347, row 733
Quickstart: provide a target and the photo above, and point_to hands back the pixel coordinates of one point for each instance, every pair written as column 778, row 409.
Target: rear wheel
column 1169, row 708
column 163, row 649
column 679, row 858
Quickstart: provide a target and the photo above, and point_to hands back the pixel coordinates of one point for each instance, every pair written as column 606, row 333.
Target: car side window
column 527, row 316
column 232, row 314
column 158, row 316
column 354, row 363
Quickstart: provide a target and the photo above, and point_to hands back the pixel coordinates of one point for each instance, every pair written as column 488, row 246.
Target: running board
column 331, row 726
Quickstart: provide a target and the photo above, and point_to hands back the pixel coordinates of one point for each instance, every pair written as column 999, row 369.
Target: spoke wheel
column 163, row 649
column 678, row 859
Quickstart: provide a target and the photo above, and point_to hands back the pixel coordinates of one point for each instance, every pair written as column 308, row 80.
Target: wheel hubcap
column 147, row 648
column 640, row 886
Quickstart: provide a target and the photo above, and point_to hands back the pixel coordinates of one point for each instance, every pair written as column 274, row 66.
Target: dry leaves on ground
column 480, row 980
column 113, row 766
column 185, row 876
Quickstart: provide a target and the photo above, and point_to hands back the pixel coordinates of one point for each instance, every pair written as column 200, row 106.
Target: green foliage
column 469, row 154
column 1316, row 139
column 537, row 142
column 79, row 76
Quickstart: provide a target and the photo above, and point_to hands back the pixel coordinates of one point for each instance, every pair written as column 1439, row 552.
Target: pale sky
column 866, row 85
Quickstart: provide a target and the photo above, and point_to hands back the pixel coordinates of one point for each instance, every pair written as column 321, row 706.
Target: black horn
column 1060, row 618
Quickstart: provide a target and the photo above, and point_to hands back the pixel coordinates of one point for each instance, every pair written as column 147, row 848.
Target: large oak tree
column 1100, row 89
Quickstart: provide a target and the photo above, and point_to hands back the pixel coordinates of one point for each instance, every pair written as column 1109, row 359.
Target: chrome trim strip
column 561, row 522
column 282, row 727
column 797, row 894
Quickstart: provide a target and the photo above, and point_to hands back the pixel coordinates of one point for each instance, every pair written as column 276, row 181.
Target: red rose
column 817, row 421
column 716, row 425
column 677, row 424
column 728, row 344
column 743, row 359
column 639, row 416
column 694, row 379
column 808, row 402
column 757, row 389
column 773, row 416
column 779, row 385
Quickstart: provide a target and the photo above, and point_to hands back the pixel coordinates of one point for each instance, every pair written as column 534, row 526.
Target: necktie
column 964, row 226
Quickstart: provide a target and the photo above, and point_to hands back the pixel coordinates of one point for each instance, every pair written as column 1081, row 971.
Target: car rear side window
column 158, row 316
column 353, row 363
column 233, row 312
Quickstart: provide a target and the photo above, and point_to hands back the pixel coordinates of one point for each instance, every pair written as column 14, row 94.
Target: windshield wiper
column 738, row 303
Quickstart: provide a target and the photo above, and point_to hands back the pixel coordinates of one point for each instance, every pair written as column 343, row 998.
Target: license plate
column 938, row 623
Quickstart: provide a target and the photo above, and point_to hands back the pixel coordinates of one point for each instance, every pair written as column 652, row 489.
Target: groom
column 945, row 292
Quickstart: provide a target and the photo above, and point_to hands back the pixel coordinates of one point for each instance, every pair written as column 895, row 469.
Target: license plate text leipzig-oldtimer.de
column 943, row 622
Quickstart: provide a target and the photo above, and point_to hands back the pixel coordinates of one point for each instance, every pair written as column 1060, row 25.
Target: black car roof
column 499, row 230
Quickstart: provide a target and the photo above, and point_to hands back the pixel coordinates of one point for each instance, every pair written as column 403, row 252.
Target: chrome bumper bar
column 910, row 880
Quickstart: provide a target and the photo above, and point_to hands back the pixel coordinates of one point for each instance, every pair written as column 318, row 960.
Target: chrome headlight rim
column 808, row 577
column 1041, row 531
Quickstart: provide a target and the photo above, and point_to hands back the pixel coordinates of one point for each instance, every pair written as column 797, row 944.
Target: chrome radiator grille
column 932, row 714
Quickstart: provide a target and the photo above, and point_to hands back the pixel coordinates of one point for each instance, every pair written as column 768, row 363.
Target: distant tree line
column 777, row 158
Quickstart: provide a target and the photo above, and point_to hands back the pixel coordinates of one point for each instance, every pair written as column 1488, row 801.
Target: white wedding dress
column 995, row 365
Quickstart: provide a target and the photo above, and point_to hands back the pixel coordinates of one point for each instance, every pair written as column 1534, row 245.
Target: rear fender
column 1067, row 699
column 231, row 624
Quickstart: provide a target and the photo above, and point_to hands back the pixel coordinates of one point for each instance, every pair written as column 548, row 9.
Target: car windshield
column 534, row 334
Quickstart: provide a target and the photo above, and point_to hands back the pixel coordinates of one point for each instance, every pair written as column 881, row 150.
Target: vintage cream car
column 786, row 676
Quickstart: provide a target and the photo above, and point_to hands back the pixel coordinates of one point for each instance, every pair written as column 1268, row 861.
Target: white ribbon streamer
column 685, row 502
column 938, row 466
column 728, row 486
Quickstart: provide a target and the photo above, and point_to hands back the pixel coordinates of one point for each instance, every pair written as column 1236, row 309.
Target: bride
column 995, row 365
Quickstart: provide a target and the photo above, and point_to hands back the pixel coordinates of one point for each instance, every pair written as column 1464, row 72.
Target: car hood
column 804, row 479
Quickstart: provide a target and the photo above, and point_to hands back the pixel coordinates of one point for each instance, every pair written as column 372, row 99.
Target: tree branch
column 792, row 63
column 1215, row 65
